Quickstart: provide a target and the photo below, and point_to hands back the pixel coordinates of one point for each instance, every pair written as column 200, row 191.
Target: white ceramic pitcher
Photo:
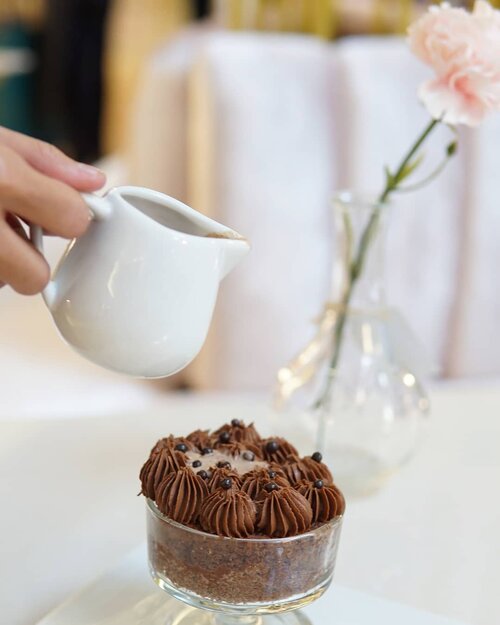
column 136, row 292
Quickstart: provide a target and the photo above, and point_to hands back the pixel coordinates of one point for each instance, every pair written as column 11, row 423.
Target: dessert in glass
column 240, row 528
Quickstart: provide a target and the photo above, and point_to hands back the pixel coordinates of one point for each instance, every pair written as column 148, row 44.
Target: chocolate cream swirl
column 220, row 474
column 160, row 463
column 284, row 512
column 171, row 442
column 277, row 449
column 294, row 469
column 201, row 439
column 228, row 513
column 236, row 449
column 180, row 496
column 315, row 469
column 326, row 500
column 239, row 432
column 255, row 481
column 309, row 468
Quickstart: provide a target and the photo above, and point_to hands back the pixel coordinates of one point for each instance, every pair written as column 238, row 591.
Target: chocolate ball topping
column 272, row 474
column 206, row 451
column 236, row 423
column 249, row 455
column 181, row 447
column 270, row 486
column 203, row 474
column 224, row 437
column 272, row 447
column 226, row 483
column 197, row 463
column 317, row 457
column 224, row 464
column 318, row 484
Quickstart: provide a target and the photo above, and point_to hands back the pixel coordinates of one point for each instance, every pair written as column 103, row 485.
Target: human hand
column 38, row 184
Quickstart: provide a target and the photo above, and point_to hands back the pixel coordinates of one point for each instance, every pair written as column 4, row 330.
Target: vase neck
column 352, row 216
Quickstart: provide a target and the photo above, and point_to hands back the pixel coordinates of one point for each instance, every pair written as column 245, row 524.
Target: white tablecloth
column 124, row 595
column 429, row 539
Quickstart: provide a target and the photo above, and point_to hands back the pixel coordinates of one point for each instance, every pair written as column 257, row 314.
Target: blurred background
column 255, row 112
column 70, row 68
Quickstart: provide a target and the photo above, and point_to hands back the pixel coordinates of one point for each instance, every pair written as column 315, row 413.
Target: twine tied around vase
column 305, row 365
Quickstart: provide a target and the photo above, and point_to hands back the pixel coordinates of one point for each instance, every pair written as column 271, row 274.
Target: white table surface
column 124, row 595
column 430, row 539
column 61, row 383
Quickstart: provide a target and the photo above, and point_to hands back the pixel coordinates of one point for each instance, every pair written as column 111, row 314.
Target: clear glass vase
column 369, row 404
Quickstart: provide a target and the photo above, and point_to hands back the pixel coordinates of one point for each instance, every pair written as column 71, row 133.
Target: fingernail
column 90, row 170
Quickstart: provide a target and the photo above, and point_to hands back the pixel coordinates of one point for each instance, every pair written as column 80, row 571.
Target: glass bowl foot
column 187, row 615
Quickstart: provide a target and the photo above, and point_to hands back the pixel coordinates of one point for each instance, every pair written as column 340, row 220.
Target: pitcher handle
column 100, row 209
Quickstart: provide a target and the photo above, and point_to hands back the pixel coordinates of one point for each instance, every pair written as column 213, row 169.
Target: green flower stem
column 356, row 268
column 398, row 176
column 427, row 179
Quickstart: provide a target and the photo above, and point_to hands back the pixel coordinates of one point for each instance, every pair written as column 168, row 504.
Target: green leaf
column 451, row 148
column 389, row 178
column 410, row 167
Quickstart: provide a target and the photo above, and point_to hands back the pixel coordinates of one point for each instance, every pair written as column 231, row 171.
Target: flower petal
column 450, row 105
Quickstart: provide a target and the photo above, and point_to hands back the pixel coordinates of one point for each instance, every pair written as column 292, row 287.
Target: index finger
column 40, row 199
column 49, row 160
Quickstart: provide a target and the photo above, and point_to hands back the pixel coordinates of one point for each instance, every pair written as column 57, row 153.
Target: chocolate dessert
column 237, row 519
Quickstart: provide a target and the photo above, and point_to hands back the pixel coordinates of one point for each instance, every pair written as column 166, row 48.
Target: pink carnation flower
column 464, row 51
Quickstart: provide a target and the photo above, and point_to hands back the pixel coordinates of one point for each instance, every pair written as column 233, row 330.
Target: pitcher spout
column 234, row 248
column 177, row 217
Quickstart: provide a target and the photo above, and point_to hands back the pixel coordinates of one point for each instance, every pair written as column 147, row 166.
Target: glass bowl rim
column 334, row 523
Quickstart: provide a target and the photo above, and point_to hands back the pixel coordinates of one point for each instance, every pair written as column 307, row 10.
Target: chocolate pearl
column 272, row 447
column 206, row 450
column 248, row 455
column 226, row 483
column 270, row 486
column 203, row 474
column 317, row 457
column 318, row 484
column 181, row 447
column 236, row 423
column 224, row 464
column 224, row 437
column 272, row 474
column 197, row 463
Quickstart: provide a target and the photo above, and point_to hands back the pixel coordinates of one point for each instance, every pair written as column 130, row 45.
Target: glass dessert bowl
column 243, row 531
